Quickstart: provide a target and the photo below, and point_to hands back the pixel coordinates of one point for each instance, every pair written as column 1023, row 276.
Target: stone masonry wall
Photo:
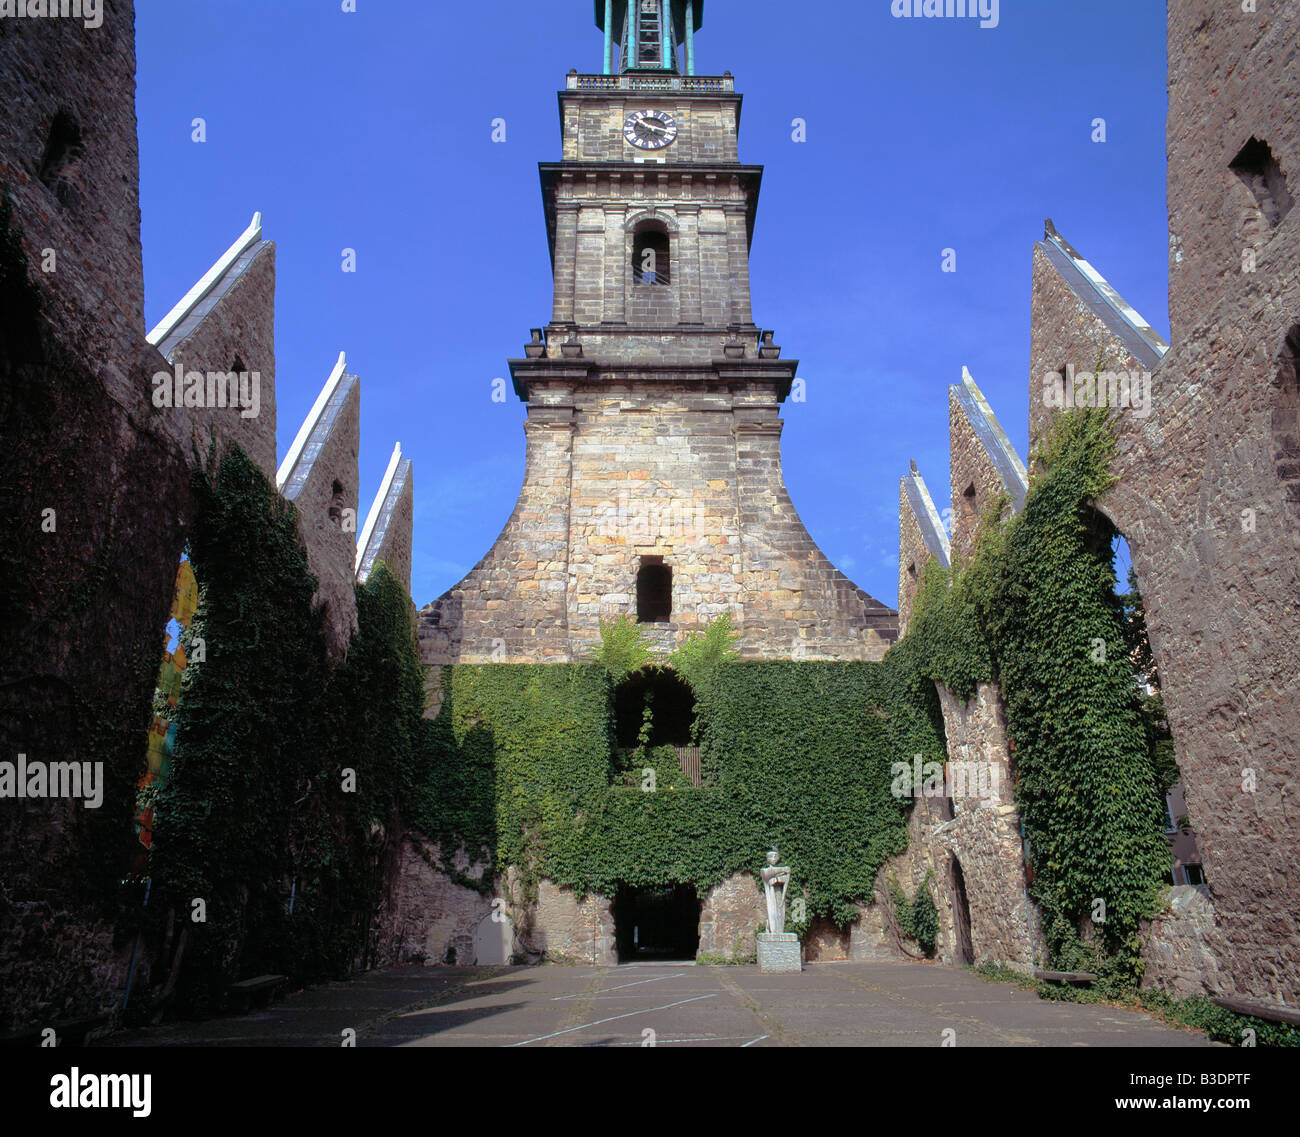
column 85, row 600
column 969, row 465
column 1203, row 492
column 328, row 515
column 730, row 916
column 1233, row 76
column 241, row 326
column 687, row 473
column 1063, row 332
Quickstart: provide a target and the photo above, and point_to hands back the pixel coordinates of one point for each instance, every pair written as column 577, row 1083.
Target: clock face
column 650, row 130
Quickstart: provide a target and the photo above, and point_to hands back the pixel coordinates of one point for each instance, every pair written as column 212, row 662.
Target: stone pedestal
column 780, row 952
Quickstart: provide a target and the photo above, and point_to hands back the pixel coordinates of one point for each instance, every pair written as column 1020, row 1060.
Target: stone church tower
column 653, row 484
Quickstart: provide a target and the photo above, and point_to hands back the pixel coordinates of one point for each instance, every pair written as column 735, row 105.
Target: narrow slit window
column 654, row 594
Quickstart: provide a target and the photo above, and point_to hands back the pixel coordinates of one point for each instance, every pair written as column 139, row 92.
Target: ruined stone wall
column 912, row 556
column 1204, row 491
column 1064, row 331
column 1183, row 946
column 424, row 911
column 970, row 844
column 977, row 480
column 324, row 486
column 397, row 520
column 1233, row 76
column 88, row 587
column 622, row 472
column 240, row 327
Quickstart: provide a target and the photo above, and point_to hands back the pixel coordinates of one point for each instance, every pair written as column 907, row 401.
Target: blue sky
column 373, row 131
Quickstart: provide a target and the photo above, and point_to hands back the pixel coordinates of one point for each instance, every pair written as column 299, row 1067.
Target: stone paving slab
column 827, row 1004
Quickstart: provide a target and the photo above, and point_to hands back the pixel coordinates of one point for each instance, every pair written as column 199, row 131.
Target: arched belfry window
column 654, row 592
column 651, row 254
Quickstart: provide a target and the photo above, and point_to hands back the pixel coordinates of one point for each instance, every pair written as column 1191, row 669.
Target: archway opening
column 671, row 703
column 651, row 254
column 657, row 922
column 963, row 948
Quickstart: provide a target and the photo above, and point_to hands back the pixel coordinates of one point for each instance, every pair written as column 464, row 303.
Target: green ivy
column 289, row 769
column 809, row 772
column 1036, row 610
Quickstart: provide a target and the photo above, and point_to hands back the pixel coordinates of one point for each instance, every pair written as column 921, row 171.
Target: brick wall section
column 240, row 326
column 1233, row 75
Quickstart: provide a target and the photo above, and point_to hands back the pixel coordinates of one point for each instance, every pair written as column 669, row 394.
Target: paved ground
column 829, row 1004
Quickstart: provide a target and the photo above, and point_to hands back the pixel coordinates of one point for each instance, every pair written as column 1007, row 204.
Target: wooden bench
column 1076, row 977
column 1269, row 1012
column 258, row 992
column 69, row 1032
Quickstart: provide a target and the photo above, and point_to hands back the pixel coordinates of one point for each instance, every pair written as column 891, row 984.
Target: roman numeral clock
column 650, row 130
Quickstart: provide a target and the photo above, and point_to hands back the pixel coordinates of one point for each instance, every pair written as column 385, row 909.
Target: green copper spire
column 649, row 32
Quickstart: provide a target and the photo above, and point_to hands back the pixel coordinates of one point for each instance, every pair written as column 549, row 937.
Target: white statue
column 776, row 878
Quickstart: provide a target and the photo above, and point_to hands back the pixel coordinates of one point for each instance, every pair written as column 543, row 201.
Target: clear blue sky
column 373, row 131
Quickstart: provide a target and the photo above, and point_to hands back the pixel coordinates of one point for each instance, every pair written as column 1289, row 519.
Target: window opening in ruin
column 944, row 801
column 654, row 592
column 659, row 922
column 63, row 150
column 651, row 255
column 336, row 504
column 1194, row 873
column 969, row 507
column 911, row 570
column 1286, row 417
column 672, row 707
column 1258, row 169
column 963, row 948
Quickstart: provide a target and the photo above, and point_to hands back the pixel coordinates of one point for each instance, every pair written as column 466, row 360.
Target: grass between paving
column 1195, row 1013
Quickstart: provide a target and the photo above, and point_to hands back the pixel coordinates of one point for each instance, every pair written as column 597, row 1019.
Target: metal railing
column 719, row 83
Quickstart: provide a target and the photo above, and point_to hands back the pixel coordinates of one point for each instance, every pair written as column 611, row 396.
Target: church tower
column 653, row 483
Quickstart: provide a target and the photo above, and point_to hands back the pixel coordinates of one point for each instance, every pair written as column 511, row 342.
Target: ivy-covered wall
column 796, row 755
column 1036, row 611
column 289, row 769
